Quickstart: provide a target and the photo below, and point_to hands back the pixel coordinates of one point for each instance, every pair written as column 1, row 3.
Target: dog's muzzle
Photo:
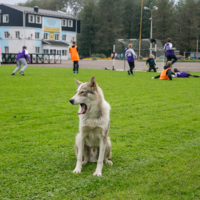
column 71, row 101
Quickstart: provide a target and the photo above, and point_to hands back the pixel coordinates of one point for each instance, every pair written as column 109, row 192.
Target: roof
column 40, row 11
column 54, row 43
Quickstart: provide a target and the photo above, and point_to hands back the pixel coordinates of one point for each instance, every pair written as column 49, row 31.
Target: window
column 52, row 51
column 31, row 19
column 37, row 49
column 45, row 36
column 46, row 51
column 38, row 20
column 64, row 37
column 70, row 23
column 59, row 52
column 17, row 34
column 56, row 37
column 6, row 49
column 6, row 35
column 64, row 52
column 64, row 22
column 37, row 35
column 5, row 18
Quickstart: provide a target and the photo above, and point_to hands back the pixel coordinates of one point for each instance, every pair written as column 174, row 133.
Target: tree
column 164, row 21
column 86, row 41
column 188, row 24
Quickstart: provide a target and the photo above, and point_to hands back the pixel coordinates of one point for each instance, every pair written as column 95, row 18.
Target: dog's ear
column 77, row 82
column 93, row 83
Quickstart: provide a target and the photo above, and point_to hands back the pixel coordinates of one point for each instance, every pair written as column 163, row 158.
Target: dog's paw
column 108, row 162
column 96, row 173
column 84, row 162
column 77, row 170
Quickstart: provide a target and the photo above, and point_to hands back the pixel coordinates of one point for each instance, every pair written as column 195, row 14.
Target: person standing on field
column 73, row 50
column 130, row 58
column 170, row 51
column 21, row 60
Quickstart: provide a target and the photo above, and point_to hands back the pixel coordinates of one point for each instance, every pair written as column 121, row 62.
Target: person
column 170, row 51
column 166, row 73
column 151, row 62
column 130, row 58
column 21, row 60
column 73, row 50
column 180, row 74
column 122, row 56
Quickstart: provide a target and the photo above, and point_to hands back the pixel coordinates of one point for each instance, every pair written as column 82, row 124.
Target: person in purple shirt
column 21, row 60
column 170, row 51
column 179, row 74
column 130, row 58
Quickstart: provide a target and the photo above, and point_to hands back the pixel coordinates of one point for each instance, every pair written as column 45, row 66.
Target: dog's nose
column 71, row 101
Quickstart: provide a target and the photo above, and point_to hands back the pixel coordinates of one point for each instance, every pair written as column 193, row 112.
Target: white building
column 42, row 31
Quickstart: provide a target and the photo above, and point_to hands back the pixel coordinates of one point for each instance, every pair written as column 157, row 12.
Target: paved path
column 119, row 64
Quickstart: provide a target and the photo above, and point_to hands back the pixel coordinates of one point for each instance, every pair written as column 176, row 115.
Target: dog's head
column 86, row 93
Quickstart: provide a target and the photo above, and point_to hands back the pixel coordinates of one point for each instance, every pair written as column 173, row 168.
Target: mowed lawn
column 155, row 135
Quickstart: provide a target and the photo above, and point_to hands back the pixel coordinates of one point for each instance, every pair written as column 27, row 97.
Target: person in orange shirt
column 166, row 73
column 73, row 50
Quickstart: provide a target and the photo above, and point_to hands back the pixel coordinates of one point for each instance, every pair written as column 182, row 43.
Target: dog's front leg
column 80, row 146
column 102, row 148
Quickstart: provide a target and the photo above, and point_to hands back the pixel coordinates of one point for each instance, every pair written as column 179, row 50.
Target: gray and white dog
column 92, row 142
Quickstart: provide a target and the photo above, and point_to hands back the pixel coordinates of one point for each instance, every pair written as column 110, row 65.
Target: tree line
column 103, row 21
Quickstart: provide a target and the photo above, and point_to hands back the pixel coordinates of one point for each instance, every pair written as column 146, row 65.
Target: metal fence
column 10, row 58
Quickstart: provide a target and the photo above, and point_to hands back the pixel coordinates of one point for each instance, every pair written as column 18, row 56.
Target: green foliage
column 154, row 133
column 99, row 55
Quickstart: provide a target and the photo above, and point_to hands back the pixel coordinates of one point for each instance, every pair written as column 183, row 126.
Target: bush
column 99, row 55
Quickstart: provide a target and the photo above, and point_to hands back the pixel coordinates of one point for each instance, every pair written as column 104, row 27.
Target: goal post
column 142, row 48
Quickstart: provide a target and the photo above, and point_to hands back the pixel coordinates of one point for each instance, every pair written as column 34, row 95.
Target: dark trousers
column 169, row 58
column 193, row 76
column 152, row 67
column 131, row 65
column 75, row 66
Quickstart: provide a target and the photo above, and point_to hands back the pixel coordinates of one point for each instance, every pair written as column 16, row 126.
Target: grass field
column 155, row 135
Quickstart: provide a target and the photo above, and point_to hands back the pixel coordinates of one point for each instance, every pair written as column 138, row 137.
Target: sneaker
column 77, row 72
column 152, row 78
column 21, row 73
column 13, row 74
column 132, row 74
column 128, row 72
column 73, row 71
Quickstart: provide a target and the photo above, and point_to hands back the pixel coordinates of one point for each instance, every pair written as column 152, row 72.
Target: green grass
column 155, row 135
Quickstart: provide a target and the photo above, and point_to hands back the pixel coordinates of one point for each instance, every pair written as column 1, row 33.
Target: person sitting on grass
column 180, row 74
column 151, row 64
column 166, row 73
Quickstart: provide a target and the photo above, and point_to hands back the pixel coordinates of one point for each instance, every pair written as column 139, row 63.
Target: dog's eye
column 82, row 92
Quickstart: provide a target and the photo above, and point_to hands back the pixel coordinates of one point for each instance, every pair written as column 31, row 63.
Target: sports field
column 155, row 135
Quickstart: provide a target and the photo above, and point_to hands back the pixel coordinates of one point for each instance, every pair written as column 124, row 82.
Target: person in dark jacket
column 151, row 63
column 166, row 73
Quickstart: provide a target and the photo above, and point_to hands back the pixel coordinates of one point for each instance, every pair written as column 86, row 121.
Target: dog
column 92, row 143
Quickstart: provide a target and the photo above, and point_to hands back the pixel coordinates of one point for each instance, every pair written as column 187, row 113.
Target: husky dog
column 92, row 142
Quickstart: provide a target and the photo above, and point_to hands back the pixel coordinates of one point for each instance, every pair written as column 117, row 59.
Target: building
column 42, row 31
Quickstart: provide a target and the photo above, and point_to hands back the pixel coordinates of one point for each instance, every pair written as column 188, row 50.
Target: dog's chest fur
column 92, row 136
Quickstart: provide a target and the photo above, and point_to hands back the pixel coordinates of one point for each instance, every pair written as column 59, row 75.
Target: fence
column 10, row 58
